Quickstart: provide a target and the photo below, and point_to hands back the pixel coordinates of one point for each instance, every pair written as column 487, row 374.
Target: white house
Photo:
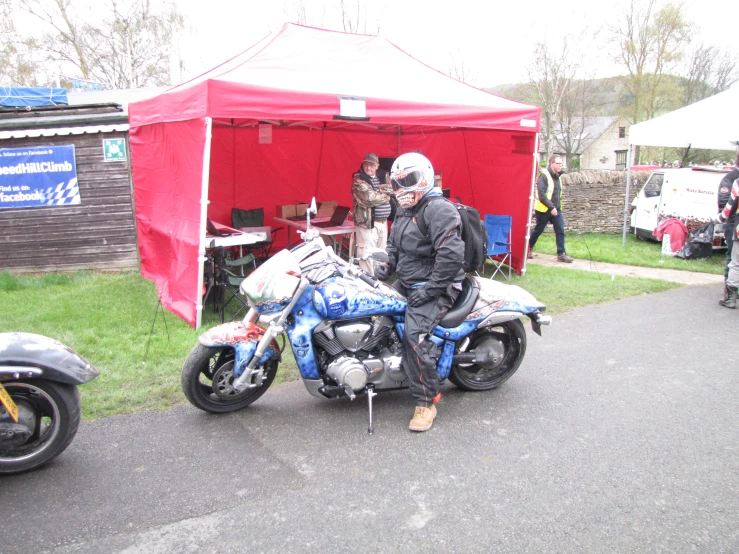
column 604, row 144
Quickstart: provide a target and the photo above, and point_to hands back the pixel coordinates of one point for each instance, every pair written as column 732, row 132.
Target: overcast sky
column 492, row 40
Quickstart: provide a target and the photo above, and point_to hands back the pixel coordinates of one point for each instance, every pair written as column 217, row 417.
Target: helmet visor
column 407, row 180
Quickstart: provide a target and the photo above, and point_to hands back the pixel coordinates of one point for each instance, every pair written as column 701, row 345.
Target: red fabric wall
column 167, row 192
column 490, row 170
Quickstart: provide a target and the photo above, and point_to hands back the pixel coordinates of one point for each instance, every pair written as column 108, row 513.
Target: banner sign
column 38, row 176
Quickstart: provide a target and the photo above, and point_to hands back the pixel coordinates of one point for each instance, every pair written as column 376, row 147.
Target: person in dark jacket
column 548, row 207
column 731, row 210
column 724, row 194
column 429, row 274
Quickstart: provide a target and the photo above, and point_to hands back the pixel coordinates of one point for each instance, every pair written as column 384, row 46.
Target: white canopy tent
column 712, row 124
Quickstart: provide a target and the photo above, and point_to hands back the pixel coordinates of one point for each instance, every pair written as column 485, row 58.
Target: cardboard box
column 288, row 210
column 300, row 209
column 264, row 233
column 327, row 208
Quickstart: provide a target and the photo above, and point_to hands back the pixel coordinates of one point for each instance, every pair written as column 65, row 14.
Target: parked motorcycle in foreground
column 345, row 329
column 39, row 400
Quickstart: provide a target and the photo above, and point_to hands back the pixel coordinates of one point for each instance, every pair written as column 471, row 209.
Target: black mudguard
column 56, row 361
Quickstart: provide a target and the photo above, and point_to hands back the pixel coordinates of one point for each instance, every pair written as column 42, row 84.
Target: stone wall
column 593, row 201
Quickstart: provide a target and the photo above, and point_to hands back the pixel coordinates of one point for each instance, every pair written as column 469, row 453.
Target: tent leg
column 628, row 191
column 203, row 217
column 534, row 176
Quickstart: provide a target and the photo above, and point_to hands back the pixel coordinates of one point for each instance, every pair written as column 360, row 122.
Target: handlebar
column 369, row 279
column 346, row 268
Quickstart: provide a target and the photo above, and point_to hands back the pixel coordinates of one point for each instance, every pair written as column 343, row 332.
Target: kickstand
column 370, row 393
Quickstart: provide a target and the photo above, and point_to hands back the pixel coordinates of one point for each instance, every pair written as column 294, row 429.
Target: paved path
column 617, row 434
column 675, row 275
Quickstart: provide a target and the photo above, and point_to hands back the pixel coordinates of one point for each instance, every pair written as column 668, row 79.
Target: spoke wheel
column 50, row 415
column 207, row 379
column 507, row 342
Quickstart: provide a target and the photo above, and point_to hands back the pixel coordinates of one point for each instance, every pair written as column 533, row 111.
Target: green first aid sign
column 114, row 150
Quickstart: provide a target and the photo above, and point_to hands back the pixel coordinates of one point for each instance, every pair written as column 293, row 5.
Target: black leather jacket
column 724, row 192
column 437, row 258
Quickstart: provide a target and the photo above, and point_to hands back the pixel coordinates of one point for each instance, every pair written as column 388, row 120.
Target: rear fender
column 29, row 356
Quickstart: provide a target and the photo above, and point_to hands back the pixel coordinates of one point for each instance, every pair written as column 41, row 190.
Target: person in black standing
column 430, row 269
column 729, row 211
column 724, row 195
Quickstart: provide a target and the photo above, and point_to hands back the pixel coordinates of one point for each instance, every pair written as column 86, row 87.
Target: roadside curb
column 673, row 275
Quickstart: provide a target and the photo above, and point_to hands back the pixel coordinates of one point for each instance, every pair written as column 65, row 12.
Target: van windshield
column 653, row 186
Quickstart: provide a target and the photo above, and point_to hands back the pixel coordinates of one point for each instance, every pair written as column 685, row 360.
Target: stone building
column 604, row 144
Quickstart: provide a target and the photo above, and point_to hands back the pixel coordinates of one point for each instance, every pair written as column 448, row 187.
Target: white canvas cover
column 712, row 124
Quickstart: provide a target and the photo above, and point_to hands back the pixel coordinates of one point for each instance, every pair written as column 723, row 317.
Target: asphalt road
column 618, row 434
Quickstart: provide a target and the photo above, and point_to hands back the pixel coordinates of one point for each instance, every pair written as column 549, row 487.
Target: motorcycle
column 345, row 327
column 39, row 401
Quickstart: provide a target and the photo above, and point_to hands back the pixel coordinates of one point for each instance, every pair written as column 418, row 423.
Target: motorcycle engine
column 355, row 353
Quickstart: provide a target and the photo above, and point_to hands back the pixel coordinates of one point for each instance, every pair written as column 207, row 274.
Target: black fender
column 35, row 356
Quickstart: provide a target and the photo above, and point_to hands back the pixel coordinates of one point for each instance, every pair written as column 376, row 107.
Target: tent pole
column 203, row 217
column 534, row 175
column 628, row 190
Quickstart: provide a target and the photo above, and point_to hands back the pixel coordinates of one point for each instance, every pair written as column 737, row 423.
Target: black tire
column 197, row 378
column 511, row 336
column 57, row 410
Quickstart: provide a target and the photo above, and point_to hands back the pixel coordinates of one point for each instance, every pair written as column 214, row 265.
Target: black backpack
column 474, row 235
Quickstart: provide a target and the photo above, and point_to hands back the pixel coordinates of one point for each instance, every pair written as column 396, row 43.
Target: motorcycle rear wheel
column 197, row 380
column 56, row 410
column 511, row 336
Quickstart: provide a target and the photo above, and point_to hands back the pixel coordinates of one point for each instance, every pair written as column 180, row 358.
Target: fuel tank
column 344, row 298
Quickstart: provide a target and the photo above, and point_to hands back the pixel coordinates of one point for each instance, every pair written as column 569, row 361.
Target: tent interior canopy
column 278, row 136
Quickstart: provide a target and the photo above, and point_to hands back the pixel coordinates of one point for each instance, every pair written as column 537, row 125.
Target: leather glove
column 419, row 297
column 383, row 271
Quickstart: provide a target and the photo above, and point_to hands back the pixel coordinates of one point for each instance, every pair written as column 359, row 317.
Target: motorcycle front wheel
column 48, row 418
column 207, row 377
column 507, row 343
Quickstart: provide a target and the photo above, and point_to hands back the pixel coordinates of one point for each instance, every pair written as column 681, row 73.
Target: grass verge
column 608, row 248
column 108, row 318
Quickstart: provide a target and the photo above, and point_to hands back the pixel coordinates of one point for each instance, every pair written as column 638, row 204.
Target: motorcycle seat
column 462, row 305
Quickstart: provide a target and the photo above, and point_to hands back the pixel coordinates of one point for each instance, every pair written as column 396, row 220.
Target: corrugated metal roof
column 23, row 133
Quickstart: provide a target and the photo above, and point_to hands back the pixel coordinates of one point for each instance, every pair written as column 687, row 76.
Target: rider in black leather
column 430, row 272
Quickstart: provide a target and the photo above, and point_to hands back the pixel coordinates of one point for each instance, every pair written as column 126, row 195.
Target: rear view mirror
column 379, row 256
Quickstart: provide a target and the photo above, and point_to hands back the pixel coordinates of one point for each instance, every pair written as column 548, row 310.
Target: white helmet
column 412, row 177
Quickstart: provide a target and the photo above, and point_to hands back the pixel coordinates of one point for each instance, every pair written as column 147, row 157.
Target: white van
column 690, row 194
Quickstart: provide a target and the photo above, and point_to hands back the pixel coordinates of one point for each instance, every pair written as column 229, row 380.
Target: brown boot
column 730, row 301
column 423, row 418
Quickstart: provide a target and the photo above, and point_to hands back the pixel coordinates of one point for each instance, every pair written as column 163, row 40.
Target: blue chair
column 498, row 228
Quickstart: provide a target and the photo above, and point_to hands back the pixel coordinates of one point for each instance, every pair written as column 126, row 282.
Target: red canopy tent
column 197, row 150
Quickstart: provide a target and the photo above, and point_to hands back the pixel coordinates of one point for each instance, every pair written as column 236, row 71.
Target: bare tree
column 136, row 44
column 355, row 20
column 299, row 12
column 130, row 47
column 708, row 71
column 559, row 85
column 460, row 71
column 17, row 66
column 650, row 42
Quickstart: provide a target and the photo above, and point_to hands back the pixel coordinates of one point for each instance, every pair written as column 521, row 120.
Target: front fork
column 276, row 328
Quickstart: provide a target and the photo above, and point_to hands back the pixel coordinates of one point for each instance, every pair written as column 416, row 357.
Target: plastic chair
column 243, row 219
column 498, row 228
